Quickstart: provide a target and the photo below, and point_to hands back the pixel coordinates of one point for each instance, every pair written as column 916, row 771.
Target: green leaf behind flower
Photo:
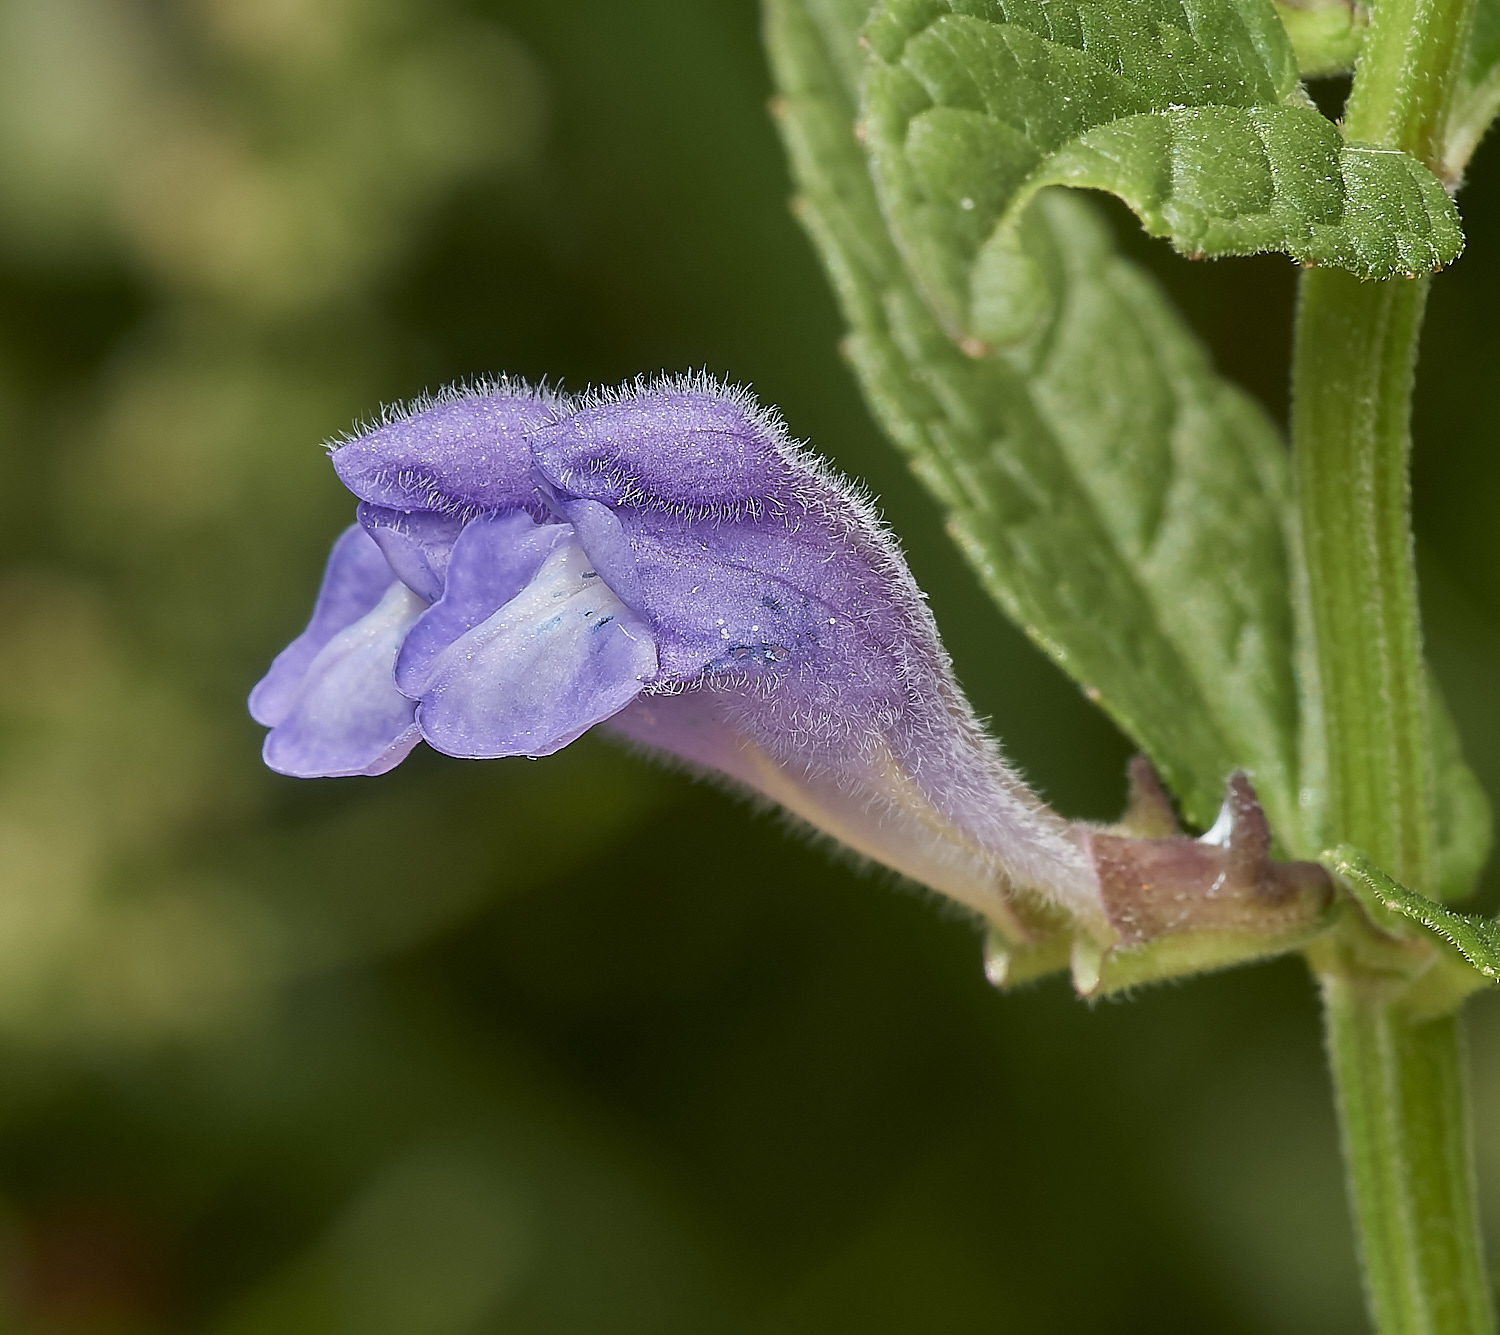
column 1123, row 504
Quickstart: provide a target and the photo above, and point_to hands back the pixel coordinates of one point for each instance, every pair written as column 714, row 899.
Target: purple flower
column 663, row 559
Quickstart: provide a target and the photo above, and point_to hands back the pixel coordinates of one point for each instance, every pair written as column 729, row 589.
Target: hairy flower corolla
column 663, row 560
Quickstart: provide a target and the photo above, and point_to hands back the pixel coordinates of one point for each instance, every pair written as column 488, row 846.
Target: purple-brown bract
column 663, row 559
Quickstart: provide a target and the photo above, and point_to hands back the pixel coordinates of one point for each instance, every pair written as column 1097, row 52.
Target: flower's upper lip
column 686, row 452
column 465, row 456
column 689, row 453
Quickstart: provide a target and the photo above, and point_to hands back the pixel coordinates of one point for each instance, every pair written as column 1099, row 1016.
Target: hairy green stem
column 1356, row 347
column 1400, row 1090
column 1401, row 1106
column 1404, row 81
column 1399, row 1076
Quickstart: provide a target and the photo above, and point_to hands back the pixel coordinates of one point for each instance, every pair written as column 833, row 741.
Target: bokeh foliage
column 572, row 1046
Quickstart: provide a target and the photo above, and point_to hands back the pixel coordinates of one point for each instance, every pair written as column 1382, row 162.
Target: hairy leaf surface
column 1189, row 110
column 1125, row 505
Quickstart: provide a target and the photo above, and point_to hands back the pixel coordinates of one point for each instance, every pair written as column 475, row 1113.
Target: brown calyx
column 1155, row 881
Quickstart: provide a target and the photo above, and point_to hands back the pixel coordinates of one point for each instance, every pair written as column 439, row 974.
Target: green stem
column 1356, row 348
column 1400, row 1089
column 1408, row 67
column 1401, row 1105
column 1399, row 1076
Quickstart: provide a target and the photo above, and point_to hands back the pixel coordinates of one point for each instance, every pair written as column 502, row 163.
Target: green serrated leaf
column 1325, row 34
column 1390, row 904
column 1476, row 100
column 1122, row 503
column 1189, row 112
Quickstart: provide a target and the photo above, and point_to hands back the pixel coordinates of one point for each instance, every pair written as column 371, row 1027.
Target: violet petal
column 713, row 729
column 609, row 548
column 463, row 454
column 492, row 561
column 561, row 656
column 752, row 595
column 416, row 544
column 688, row 447
column 348, row 717
column 354, row 581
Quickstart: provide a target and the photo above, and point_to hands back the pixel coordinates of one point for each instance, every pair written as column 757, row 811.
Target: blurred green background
column 576, row 1045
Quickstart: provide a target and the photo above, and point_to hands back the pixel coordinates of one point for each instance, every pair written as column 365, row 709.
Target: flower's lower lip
column 538, row 670
column 349, row 718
